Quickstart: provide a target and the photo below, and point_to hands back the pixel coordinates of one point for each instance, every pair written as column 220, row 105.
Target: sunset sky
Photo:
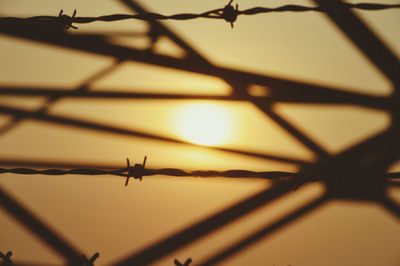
column 100, row 214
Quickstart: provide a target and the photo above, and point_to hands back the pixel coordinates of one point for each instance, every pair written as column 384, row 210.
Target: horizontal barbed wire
column 228, row 13
column 137, row 171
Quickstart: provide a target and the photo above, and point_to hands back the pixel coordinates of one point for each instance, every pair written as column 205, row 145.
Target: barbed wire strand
column 174, row 172
column 228, row 13
column 138, row 171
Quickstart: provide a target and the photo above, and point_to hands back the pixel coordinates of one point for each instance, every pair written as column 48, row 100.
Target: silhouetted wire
column 180, row 173
column 228, row 13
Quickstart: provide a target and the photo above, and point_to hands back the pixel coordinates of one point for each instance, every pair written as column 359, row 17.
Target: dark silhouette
column 39, row 228
column 230, row 13
column 66, row 21
column 186, row 263
column 6, row 259
column 137, row 171
column 90, row 262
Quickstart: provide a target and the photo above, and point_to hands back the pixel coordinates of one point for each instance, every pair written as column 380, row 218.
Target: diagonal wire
column 39, row 228
column 51, row 100
column 265, row 231
column 101, row 127
column 372, row 47
column 204, row 227
column 391, row 206
column 238, row 87
column 280, row 88
column 327, row 97
column 295, row 132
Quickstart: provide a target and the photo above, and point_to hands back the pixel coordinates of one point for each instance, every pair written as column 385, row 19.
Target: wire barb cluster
column 228, row 13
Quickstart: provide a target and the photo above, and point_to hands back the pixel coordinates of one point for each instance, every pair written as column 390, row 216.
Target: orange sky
column 99, row 214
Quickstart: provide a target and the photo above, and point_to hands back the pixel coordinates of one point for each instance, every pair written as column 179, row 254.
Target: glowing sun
column 205, row 124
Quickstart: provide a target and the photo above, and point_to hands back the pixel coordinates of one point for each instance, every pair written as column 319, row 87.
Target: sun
column 205, row 124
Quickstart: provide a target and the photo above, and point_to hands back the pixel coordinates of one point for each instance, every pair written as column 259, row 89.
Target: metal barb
column 128, row 166
column 229, row 13
column 137, row 171
column 66, row 21
column 6, row 258
column 186, row 263
column 90, row 262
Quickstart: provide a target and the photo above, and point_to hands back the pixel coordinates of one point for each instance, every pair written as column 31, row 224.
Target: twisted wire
column 336, row 8
column 181, row 173
column 227, row 13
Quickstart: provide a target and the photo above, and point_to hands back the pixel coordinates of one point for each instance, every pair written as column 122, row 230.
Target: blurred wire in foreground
column 228, row 13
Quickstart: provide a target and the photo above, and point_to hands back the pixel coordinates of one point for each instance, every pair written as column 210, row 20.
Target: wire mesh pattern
column 368, row 158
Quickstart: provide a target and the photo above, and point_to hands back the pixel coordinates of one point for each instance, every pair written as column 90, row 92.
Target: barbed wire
column 138, row 171
column 229, row 13
column 86, row 261
column 6, row 258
